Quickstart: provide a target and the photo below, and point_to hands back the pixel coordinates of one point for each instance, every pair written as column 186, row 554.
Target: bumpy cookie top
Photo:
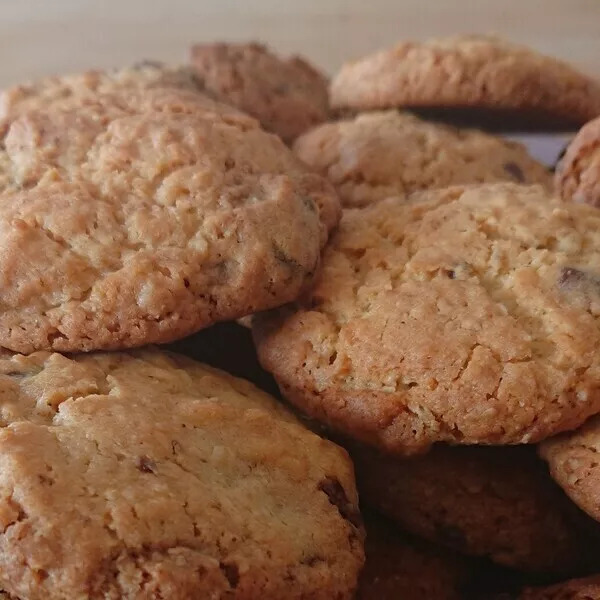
column 573, row 461
column 19, row 99
column 286, row 95
column 493, row 502
column 383, row 154
column 123, row 475
column 478, row 71
column 469, row 315
column 398, row 566
column 587, row 588
column 157, row 215
column 577, row 175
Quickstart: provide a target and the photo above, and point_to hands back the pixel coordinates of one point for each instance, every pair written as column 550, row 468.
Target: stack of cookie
column 417, row 291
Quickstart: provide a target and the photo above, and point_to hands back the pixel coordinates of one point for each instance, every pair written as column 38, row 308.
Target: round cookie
column 157, row 216
column 577, row 176
column 122, row 476
column 399, row 567
column 573, row 461
column 288, row 96
column 480, row 72
column 494, row 502
column 381, row 154
column 469, row 315
column 587, row 588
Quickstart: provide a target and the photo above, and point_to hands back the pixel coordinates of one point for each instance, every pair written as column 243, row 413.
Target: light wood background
column 49, row 36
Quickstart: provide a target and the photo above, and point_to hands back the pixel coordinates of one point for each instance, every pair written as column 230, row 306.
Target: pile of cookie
column 237, row 298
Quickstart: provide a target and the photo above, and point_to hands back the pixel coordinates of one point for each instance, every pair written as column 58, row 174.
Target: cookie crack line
column 368, row 350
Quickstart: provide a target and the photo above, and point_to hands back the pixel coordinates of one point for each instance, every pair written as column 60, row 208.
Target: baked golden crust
column 123, row 476
column 464, row 71
column 158, row 214
column 469, row 315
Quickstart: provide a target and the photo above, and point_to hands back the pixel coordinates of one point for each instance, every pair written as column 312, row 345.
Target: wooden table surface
column 39, row 37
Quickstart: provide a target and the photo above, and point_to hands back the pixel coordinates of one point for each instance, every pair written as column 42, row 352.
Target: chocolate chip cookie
column 469, row 315
column 158, row 215
column 288, row 96
column 122, row 475
column 383, row 154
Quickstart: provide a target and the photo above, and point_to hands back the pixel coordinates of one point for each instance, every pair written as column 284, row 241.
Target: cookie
column 469, row 315
column 122, row 476
column 587, row 588
column 19, row 99
column 573, row 462
column 288, row 96
column 157, row 216
column 383, row 154
column 480, row 72
column 400, row 567
column 577, row 176
column 494, row 502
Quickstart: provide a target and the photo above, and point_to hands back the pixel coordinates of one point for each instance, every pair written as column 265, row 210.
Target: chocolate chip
column 514, row 171
column 282, row 257
column 450, row 535
column 231, row 572
column 337, row 496
column 570, row 276
column 312, row 560
column 309, row 203
column 146, row 465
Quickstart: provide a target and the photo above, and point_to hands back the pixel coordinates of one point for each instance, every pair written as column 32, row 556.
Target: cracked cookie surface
column 577, row 176
column 159, row 214
column 381, row 154
column 288, row 96
column 467, row 71
column 491, row 502
column 122, row 475
column 469, row 315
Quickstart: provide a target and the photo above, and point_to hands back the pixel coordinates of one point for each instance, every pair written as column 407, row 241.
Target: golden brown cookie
column 381, row 154
column 122, row 475
column 78, row 87
column 469, row 315
column 573, row 461
column 156, row 216
column 587, row 588
column 493, row 502
column 288, row 96
column 467, row 71
column 398, row 567
column 577, row 175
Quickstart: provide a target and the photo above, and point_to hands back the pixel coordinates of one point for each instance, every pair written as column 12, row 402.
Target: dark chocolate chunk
column 337, row 496
column 146, row 465
column 514, row 171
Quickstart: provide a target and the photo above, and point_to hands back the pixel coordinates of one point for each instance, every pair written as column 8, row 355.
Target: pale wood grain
column 48, row 36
